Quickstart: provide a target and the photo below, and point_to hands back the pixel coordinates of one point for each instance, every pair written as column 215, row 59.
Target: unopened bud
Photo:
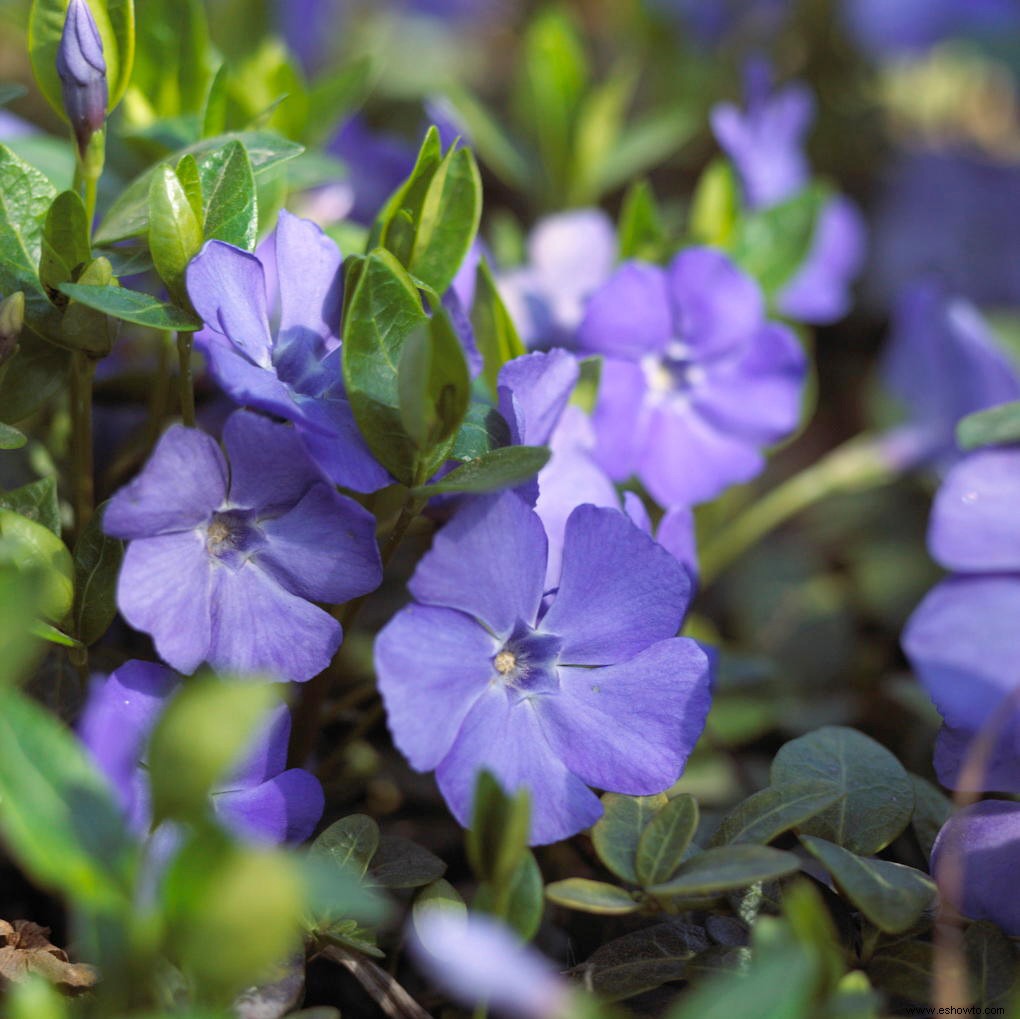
column 12, row 318
column 82, row 69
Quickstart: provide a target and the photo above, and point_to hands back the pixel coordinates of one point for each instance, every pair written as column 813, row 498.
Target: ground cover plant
column 509, row 507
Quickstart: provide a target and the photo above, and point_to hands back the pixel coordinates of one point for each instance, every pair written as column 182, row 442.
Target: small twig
column 389, row 995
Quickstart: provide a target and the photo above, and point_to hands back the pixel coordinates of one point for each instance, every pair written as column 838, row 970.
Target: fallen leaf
column 27, row 950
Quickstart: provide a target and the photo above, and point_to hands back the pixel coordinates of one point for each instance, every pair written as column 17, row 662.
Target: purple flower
column 943, row 363
column 477, row 960
column 719, row 21
column 569, row 256
column 586, row 685
column 975, row 859
column 260, row 800
column 695, row 379
column 963, row 641
column 294, row 374
column 222, row 565
column 81, row 67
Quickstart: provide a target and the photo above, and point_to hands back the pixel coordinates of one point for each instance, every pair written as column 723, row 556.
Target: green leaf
column 36, row 372
column 498, row 837
column 204, row 730
column 38, row 501
column 11, row 438
column 439, row 895
column 494, row 329
column 34, row 549
column 9, row 91
column 500, row 468
column 525, row 900
column 384, row 311
column 725, row 869
column 128, row 216
column 191, row 181
column 991, row 963
column 665, row 840
column 618, row 831
column 401, row 863
column 65, row 241
column 890, row 895
column 482, row 430
column 997, row 426
column 877, row 798
column 59, row 820
column 175, row 233
column 774, row 810
column 641, row 234
column 214, row 114
column 231, row 206
column 715, row 207
column 591, row 897
column 115, row 20
column 931, row 811
column 350, row 843
column 83, row 327
column 905, row 969
column 334, row 96
column 448, row 221
column 507, row 157
column 18, row 595
column 133, row 306
column 97, row 559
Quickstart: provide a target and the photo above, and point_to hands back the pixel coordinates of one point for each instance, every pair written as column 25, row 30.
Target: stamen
column 505, row 662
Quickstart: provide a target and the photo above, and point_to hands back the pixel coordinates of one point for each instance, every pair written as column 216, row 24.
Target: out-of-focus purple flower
column 953, row 215
column 765, row 142
column 943, row 363
column 260, row 800
column 963, row 640
column 477, row 960
column 715, row 22
column 553, row 692
column 82, row 70
column 294, row 374
column 223, row 566
column 886, row 29
column 695, row 381
column 570, row 254
column 975, row 859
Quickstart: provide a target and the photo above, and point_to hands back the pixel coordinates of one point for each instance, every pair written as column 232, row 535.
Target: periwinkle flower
column 695, row 381
column 295, row 372
column 963, row 641
column 260, row 800
column 82, row 70
column 587, row 685
column 223, row 563
column 570, row 254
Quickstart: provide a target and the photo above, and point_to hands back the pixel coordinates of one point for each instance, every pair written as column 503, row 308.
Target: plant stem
column 82, row 369
column 187, row 385
column 857, row 465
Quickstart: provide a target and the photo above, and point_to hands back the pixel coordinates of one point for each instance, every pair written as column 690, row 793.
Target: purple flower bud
column 82, row 69
column 12, row 318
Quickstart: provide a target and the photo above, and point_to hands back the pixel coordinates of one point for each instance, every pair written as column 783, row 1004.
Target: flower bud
column 12, row 318
column 82, row 69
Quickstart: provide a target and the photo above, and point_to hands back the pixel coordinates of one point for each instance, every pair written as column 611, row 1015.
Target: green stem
column 187, row 384
column 858, row 464
column 82, row 369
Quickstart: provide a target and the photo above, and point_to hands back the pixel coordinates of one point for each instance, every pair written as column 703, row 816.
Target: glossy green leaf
column 591, row 897
column 11, row 438
column 618, row 831
column 395, row 231
column 665, row 840
column 175, row 233
column 97, row 559
column 726, row 869
column 115, row 20
column 191, row 181
column 401, row 863
column 133, row 306
column 482, row 430
column 350, row 842
column 384, row 311
column 498, row 836
column 38, row 501
column 59, row 820
column 494, row 329
column 525, row 898
column 500, row 468
column 768, row 813
column 84, row 327
column 128, row 216
column 65, row 241
column 996, row 426
column 34, row 549
column 231, row 205
column 890, row 895
column 876, row 796
column 932, row 808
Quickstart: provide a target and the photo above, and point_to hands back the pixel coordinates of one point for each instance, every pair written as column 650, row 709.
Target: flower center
column 231, row 536
column 526, row 664
column 505, row 662
column 674, row 373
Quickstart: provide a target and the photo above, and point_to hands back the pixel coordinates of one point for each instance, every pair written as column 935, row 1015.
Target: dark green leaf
column 877, row 798
column 65, row 241
column 133, row 306
column 97, row 559
column 905, row 969
column 525, row 900
column 495, row 333
column 11, row 438
column 991, row 962
column 931, row 811
column 618, row 831
column 772, row 811
column 498, row 837
column 482, row 430
column 228, row 187
column 890, row 895
column 591, row 897
column 129, row 214
column 996, row 426
column 350, row 843
column 401, row 863
column 86, row 328
column 725, row 869
column 501, row 468
column 175, row 233
column 37, row 501
column 36, row 372
column 665, row 840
